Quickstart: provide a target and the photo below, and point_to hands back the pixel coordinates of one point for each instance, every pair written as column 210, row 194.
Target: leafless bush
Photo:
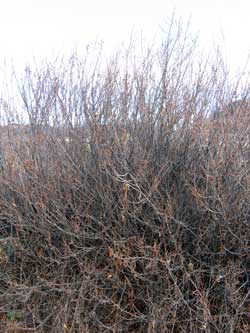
column 124, row 200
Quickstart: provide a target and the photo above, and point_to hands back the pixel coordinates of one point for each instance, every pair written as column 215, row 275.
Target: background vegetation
column 124, row 195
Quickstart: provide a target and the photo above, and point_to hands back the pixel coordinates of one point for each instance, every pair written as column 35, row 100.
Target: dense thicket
column 124, row 196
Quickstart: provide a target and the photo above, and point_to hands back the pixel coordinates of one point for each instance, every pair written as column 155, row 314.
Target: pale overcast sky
column 42, row 28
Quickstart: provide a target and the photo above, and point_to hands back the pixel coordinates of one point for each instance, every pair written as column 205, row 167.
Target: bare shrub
column 124, row 203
